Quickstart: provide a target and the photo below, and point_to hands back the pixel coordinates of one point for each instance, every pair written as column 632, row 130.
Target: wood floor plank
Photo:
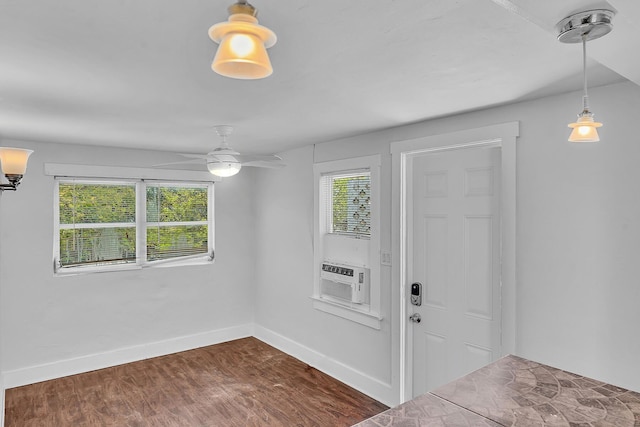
column 239, row 383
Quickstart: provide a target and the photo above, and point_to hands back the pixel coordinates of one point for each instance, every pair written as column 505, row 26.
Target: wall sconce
column 582, row 27
column 242, row 53
column 14, row 165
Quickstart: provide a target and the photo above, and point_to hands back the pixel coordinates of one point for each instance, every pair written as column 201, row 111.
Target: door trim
column 501, row 135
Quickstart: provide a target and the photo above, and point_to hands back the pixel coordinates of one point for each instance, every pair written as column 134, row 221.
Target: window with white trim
column 347, row 239
column 348, row 203
column 177, row 221
column 104, row 225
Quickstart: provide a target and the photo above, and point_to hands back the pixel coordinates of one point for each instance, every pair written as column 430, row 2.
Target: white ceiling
column 136, row 73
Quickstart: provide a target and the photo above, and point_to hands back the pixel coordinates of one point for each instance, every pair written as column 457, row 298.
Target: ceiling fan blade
column 245, row 158
column 182, row 162
column 195, row 156
column 227, row 154
column 264, row 164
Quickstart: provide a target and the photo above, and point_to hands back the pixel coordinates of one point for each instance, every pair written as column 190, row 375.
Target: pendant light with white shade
column 242, row 53
column 582, row 27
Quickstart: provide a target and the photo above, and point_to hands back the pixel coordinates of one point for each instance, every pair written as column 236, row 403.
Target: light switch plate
column 385, row 258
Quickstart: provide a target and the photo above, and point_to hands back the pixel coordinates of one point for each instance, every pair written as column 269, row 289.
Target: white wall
column 578, row 242
column 55, row 325
column 578, row 231
column 285, row 276
column 579, row 239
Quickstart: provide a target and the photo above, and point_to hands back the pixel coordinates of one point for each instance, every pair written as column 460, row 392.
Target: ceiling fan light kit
column 224, row 169
column 576, row 28
column 242, row 53
column 224, row 164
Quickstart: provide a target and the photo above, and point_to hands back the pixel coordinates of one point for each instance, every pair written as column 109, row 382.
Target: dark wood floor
column 239, row 383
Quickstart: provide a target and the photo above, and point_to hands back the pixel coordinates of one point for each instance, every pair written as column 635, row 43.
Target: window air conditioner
column 353, row 282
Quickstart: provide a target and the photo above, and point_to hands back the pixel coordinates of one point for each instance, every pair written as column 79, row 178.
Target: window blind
column 349, row 199
column 97, row 223
column 177, row 221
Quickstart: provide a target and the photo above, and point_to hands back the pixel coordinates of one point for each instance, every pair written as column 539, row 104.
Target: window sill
column 74, row 271
column 347, row 311
column 200, row 260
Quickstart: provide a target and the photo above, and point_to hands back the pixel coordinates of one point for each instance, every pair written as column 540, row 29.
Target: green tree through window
column 351, row 204
column 176, row 218
column 98, row 222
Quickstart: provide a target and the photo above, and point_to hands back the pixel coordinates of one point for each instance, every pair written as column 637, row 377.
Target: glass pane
column 97, row 203
column 176, row 204
column 176, row 241
column 97, row 246
column 351, row 204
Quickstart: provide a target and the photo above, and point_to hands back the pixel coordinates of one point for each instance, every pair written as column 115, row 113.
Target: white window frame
column 365, row 314
column 329, row 227
column 139, row 177
column 57, row 227
column 185, row 260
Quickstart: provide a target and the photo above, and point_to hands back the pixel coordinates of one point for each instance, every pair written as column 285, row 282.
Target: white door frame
column 503, row 136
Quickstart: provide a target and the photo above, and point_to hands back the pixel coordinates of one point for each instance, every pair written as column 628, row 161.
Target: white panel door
column 454, row 251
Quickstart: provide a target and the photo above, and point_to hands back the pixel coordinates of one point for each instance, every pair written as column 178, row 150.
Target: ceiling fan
column 224, row 161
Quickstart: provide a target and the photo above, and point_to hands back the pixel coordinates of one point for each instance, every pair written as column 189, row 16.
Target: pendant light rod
column 585, row 95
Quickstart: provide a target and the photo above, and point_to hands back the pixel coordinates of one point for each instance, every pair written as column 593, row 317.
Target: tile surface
column 517, row 392
column 428, row 410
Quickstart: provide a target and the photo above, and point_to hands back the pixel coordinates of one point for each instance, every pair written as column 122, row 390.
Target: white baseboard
column 362, row 382
column 92, row 362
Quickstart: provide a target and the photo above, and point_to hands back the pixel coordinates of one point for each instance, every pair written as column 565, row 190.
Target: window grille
column 349, row 197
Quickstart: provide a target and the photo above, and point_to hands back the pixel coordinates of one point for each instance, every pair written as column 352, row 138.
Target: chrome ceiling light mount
column 580, row 28
column 242, row 53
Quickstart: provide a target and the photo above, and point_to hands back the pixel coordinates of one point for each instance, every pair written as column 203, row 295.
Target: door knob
column 415, row 317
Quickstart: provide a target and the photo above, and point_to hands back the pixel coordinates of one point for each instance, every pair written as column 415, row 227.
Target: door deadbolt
column 416, row 293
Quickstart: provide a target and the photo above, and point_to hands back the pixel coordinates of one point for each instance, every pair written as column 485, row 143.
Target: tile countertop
column 518, row 392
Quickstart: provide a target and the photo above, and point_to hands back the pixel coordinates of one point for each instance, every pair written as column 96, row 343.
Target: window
column 108, row 225
column 97, row 223
column 349, row 208
column 177, row 223
column 347, row 239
